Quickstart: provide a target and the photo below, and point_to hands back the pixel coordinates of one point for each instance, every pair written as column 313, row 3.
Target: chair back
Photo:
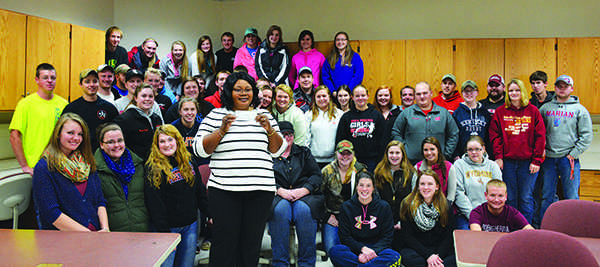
column 527, row 248
column 15, row 194
column 573, row 217
column 205, row 172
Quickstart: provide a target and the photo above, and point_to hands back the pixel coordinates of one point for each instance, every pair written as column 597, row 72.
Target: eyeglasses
column 112, row 142
column 239, row 91
column 474, row 149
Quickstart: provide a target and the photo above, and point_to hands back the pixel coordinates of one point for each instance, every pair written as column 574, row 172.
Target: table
column 473, row 248
column 47, row 247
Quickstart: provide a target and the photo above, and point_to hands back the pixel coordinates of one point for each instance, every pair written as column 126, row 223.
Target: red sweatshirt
column 451, row 103
column 518, row 134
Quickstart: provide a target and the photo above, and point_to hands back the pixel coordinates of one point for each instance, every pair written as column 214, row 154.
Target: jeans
column 284, row 214
column 185, row 253
column 410, row 258
column 342, row 256
column 330, row 237
column 519, row 186
column 462, row 223
column 554, row 169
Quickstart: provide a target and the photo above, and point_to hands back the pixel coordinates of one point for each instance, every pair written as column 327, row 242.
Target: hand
column 572, row 163
column 27, row 169
column 397, row 226
column 226, row 123
column 367, row 254
column 263, row 120
column 533, row 168
column 500, row 163
column 285, row 194
column 103, row 230
column 435, row 261
column 298, row 193
column 209, row 221
column 332, row 221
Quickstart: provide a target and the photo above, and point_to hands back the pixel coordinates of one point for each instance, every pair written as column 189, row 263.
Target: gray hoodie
column 568, row 128
column 467, row 180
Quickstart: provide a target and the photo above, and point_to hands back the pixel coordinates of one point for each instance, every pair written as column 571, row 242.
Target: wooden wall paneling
column 477, row 60
column 384, row 63
column 428, row 60
column 87, row 51
column 48, row 41
column 580, row 59
column 12, row 58
column 525, row 56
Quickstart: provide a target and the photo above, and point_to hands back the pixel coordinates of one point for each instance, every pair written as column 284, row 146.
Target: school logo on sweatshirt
column 557, row 116
column 360, row 222
column 362, row 128
column 516, row 125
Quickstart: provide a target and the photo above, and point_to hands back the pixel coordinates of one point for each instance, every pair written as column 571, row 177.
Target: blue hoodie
column 470, row 121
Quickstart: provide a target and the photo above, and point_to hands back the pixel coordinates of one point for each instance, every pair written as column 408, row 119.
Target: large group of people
column 293, row 142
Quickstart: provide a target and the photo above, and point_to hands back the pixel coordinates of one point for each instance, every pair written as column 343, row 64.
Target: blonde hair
column 286, row 89
column 411, row 203
column 54, row 154
column 153, row 59
column 496, row 183
column 383, row 171
column 330, row 106
column 159, row 164
column 200, row 56
column 184, row 61
column 524, row 98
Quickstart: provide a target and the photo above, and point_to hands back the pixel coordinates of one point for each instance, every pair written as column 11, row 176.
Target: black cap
column 286, row 126
column 133, row 73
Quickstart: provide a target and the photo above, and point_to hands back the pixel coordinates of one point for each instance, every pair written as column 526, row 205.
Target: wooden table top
column 40, row 247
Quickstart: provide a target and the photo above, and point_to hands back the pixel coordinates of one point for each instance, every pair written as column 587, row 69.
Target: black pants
column 239, row 220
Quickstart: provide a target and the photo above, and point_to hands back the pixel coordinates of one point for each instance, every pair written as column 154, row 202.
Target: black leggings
column 239, row 220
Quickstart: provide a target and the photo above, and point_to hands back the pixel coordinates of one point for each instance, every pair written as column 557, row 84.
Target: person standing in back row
column 343, row 66
column 226, row 55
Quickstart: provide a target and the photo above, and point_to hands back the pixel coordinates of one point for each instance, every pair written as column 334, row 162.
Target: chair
column 527, row 248
column 15, row 194
column 573, row 217
column 205, row 172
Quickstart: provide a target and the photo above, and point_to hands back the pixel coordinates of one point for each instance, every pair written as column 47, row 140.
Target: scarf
column 123, row 168
column 74, row 167
column 426, row 216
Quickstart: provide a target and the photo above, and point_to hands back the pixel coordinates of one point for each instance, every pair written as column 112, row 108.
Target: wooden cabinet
column 48, row 42
column 477, row 60
column 589, row 188
column 386, row 64
column 12, row 58
column 87, row 52
column 428, row 60
column 580, row 59
column 525, row 56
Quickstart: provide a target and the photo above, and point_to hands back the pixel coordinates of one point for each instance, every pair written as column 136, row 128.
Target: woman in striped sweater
column 241, row 141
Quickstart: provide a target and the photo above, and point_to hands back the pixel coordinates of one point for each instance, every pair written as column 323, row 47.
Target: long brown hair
column 412, row 202
column 54, row 155
column 334, row 55
column 159, row 163
column 203, row 66
column 441, row 160
column 185, row 71
column 383, row 171
column 376, row 103
column 315, row 109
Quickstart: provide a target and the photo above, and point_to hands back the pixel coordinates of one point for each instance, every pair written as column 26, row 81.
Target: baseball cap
column 344, row 145
column 133, row 73
column 449, row 76
column 286, row 127
column 123, row 68
column 104, row 67
column 497, row 78
column 251, row 30
column 564, row 78
column 468, row 83
column 304, row 69
column 87, row 72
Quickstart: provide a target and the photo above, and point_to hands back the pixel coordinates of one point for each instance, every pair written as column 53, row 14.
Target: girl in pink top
column 308, row 56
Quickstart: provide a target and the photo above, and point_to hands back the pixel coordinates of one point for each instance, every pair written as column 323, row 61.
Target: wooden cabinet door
column 87, row 52
column 12, row 58
column 580, row 59
column 384, row 63
column 477, row 60
column 48, row 42
column 525, row 56
column 428, row 60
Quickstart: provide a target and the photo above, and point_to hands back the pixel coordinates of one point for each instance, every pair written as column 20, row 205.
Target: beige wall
column 97, row 14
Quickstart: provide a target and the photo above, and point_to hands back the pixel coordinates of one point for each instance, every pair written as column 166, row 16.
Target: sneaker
column 205, row 245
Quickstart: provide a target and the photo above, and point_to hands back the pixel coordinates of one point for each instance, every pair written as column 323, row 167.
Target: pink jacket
column 313, row 59
column 242, row 57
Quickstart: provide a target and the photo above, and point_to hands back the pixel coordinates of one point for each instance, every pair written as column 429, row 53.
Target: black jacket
column 300, row 170
column 377, row 235
column 272, row 63
column 395, row 192
column 138, row 130
column 366, row 130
